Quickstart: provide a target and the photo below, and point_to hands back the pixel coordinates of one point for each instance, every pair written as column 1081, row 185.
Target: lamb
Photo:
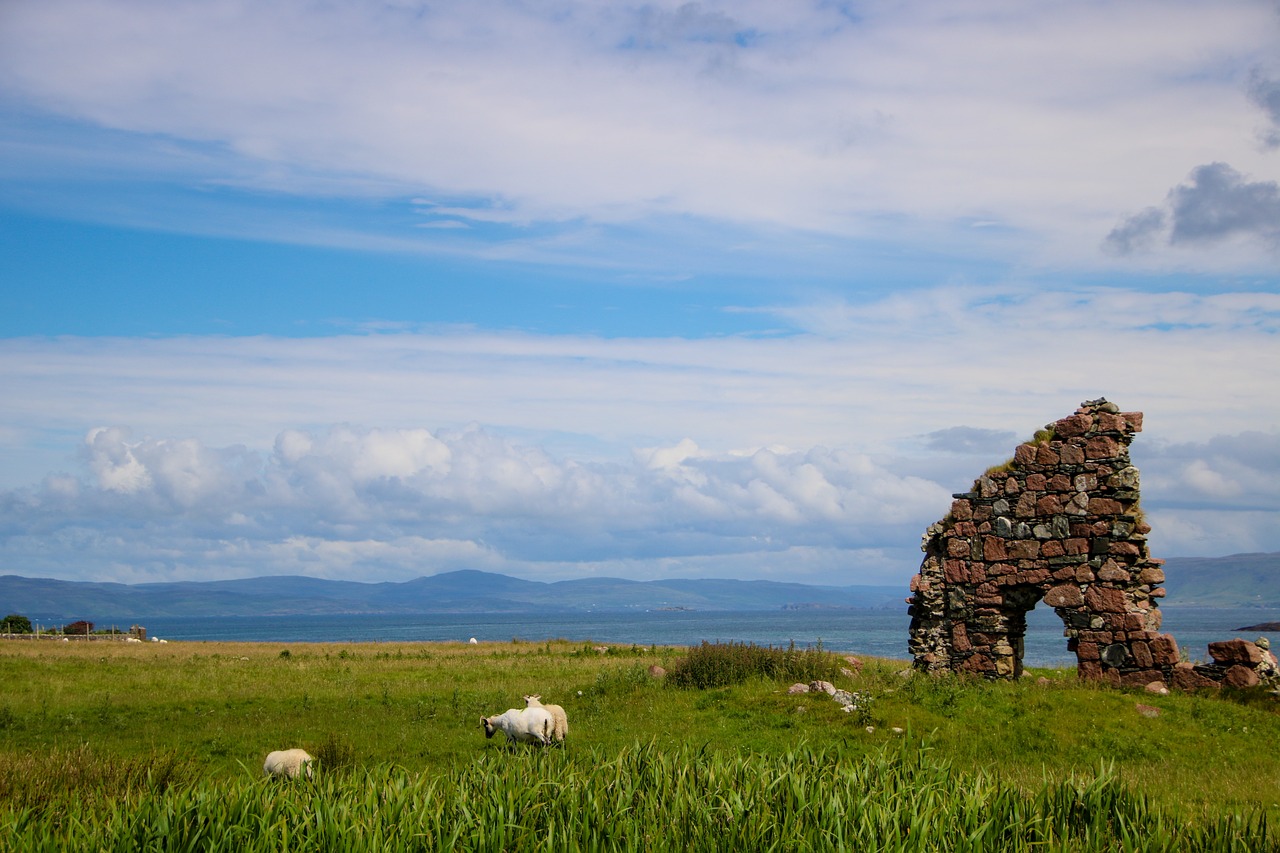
column 557, row 714
column 529, row 725
column 288, row 764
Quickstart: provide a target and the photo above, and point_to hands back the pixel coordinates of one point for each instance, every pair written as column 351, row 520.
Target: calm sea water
column 878, row 633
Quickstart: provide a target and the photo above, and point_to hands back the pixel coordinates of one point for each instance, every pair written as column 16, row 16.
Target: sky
column 375, row 290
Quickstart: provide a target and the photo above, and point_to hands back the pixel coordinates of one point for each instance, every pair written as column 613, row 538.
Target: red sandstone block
column 1077, row 424
column 961, row 509
column 1025, row 455
column 1133, row 421
column 1151, row 575
column 1026, row 505
column 1089, row 670
column 1235, row 651
column 1101, row 447
column 993, row 549
column 1060, row 483
column 1112, row 571
column 978, row 663
column 1125, row 549
column 1023, row 549
column 957, row 547
column 1037, row 482
column 1088, row 652
column 1071, row 454
column 1033, row 576
column 998, row 569
column 1141, row 678
column 1142, row 655
column 1185, row 677
column 1112, row 422
column 1046, row 455
column 1104, row 506
column 1052, row 548
column 1076, row 546
column 956, row 571
column 1105, row 600
column 1049, row 505
column 965, row 528
column 1240, row 677
column 1064, row 595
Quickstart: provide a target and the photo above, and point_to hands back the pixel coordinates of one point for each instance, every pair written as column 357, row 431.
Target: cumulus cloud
column 962, row 439
column 375, row 503
column 1216, row 204
column 564, row 455
column 1265, row 93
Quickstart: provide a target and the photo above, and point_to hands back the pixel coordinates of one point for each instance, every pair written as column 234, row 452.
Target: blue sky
column 372, row 290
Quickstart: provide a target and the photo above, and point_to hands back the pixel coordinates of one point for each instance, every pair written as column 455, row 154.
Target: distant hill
column 1234, row 581
column 452, row 592
column 1239, row 580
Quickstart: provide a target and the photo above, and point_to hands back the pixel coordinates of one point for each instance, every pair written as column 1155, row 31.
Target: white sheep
column 530, row 725
column 557, row 715
column 288, row 764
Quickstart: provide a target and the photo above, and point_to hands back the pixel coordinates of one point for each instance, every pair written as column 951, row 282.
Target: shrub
column 15, row 623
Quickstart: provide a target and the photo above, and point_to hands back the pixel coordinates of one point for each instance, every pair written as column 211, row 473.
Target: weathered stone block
column 1064, row 595
column 1151, row 576
column 1025, row 455
column 1071, row 454
column 1235, row 651
column 1048, row 505
column 1241, row 677
column 1184, row 677
column 1023, row 549
column 1105, row 599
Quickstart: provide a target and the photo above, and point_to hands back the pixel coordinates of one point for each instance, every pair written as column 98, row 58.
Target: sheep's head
column 488, row 726
column 531, row 701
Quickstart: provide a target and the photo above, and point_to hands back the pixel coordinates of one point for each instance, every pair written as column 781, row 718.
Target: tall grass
column 899, row 798
column 721, row 664
column 184, row 726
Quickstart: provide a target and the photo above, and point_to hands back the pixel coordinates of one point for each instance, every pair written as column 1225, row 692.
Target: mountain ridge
column 1249, row 579
column 461, row 591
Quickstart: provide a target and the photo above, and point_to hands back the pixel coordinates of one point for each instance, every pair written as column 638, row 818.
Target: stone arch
column 1059, row 523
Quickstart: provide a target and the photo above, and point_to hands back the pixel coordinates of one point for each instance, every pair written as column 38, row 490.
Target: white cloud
column 568, row 455
column 902, row 118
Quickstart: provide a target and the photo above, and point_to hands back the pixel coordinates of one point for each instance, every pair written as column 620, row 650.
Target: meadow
column 114, row 746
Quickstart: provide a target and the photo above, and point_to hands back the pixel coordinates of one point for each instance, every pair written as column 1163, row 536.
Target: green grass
column 103, row 743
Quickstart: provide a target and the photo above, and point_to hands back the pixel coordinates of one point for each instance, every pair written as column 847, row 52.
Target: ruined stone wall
column 1059, row 523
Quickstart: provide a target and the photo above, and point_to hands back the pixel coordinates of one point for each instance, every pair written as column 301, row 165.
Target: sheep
column 288, row 764
column 529, row 725
column 557, row 714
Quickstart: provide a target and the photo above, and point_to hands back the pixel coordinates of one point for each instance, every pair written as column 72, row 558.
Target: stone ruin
column 1058, row 523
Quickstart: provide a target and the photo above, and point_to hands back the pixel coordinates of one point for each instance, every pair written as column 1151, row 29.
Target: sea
column 871, row 632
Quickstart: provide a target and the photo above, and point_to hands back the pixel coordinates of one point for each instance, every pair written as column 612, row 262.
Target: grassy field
column 119, row 739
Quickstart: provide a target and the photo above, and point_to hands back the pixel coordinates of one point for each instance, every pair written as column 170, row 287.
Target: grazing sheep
column 288, row 764
column 530, row 725
column 557, row 714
